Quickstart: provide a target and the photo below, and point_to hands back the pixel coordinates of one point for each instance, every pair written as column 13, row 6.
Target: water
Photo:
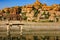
column 29, row 32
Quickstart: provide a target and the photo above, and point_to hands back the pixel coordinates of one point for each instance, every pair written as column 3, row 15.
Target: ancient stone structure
column 16, row 30
column 35, row 11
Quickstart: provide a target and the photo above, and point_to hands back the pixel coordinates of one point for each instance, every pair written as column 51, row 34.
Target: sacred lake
column 16, row 30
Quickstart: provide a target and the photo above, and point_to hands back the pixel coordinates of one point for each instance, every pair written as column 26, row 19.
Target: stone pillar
column 20, row 32
column 8, row 32
column 20, row 28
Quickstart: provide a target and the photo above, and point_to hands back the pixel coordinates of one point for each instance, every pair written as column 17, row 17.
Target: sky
column 11, row 3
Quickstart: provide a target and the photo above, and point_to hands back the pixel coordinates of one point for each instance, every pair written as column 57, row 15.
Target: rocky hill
column 36, row 12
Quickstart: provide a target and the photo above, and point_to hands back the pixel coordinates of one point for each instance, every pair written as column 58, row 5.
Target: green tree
column 46, row 15
column 7, row 12
column 35, row 12
column 19, row 10
column 3, row 11
column 24, row 17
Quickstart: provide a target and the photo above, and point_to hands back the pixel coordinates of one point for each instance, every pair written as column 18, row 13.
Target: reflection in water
column 17, row 32
column 34, row 38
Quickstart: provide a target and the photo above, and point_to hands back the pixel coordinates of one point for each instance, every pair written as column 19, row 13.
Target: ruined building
column 32, row 12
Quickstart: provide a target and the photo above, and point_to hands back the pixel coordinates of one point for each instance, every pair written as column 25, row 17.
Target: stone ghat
column 16, row 30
